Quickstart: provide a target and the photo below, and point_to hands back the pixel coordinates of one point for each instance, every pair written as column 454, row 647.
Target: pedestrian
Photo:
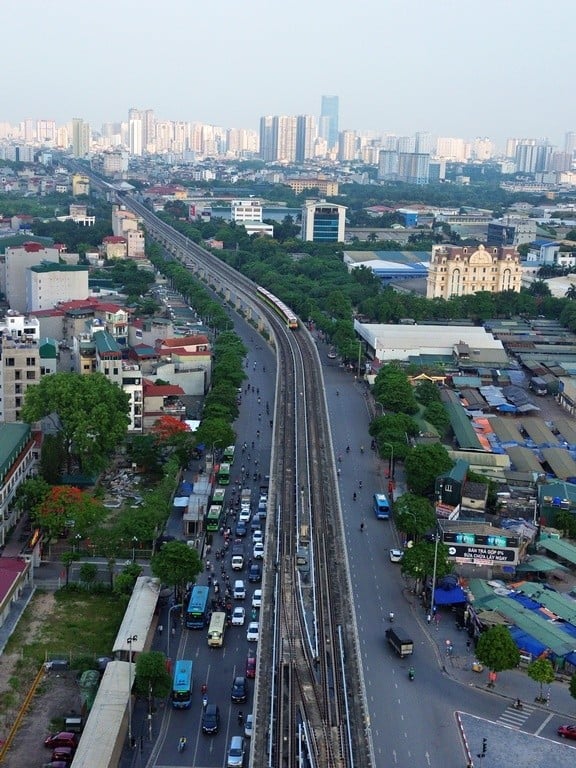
column 173, row 631
column 468, row 644
column 428, row 619
column 160, row 629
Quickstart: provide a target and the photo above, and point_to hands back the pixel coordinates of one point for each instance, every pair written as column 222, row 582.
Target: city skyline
column 451, row 69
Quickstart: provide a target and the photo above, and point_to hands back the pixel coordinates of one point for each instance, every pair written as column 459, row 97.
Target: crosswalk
column 515, row 718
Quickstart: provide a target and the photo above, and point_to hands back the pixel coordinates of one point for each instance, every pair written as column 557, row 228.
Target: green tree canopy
column 393, row 390
column 414, row 515
column 68, row 509
column 176, row 564
column 427, row 392
column 90, row 412
column 423, row 464
column 497, row 650
column 541, row 671
column 152, row 677
column 418, row 561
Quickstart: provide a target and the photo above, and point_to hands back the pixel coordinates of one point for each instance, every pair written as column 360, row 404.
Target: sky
column 464, row 68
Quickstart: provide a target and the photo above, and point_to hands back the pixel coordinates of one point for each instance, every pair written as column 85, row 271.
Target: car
column 567, row 731
column 255, row 572
column 244, row 516
column 332, row 355
column 396, row 555
column 258, row 551
column 256, row 524
column 251, row 666
column 239, row 690
column 241, row 528
column 63, row 755
column 257, row 598
column 257, row 536
column 62, row 739
column 249, row 725
column 252, row 632
column 211, row 719
column 239, row 590
column 238, row 616
column 235, row 752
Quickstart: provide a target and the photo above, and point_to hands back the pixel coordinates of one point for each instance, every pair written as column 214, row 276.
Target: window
column 18, row 375
column 30, row 362
column 10, row 362
column 30, row 375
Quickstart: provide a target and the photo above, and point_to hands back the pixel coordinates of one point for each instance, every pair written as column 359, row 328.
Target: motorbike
column 182, row 744
column 411, row 673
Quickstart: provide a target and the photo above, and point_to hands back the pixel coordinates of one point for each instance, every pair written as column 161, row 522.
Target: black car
column 211, row 719
column 239, row 690
column 255, row 572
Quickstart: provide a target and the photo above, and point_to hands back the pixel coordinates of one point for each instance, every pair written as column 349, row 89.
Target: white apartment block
column 19, row 369
column 18, row 326
column 48, row 284
column 246, row 210
column 15, row 264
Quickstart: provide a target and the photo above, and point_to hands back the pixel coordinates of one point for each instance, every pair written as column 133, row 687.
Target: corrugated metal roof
column 538, row 431
column 540, row 564
column 560, row 605
column 559, row 547
column 506, row 430
column 523, row 459
column 460, row 423
column 560, row 462
column 566, row 429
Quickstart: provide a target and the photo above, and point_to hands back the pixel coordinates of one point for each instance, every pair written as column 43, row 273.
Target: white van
column 239, row 590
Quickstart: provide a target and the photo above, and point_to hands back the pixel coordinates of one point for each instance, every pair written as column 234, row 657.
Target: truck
column 237, row 557
column 246, row 497
column 400, row 640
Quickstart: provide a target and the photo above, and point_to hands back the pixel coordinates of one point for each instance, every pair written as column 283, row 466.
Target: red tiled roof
column 185, row 341
column 10, row 570
column 114, row 239
column 161, row 390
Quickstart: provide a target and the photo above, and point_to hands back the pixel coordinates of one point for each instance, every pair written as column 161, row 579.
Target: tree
column 497, row 650
column 88, row 573
column 541, row 671
column 393, row 390
column 126, row 580
column 152, row 678
column 68, row 558
column 418, row 561
column 427, row 392
column 414, row 515
column 176, row 564
column 571, row 292
column 66, row 508
column 31, row 494
column 90, row 412
column 423, row 465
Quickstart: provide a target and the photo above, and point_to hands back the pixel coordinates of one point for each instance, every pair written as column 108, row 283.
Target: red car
column 62, row 739
column 251, row 666
column 567, row 731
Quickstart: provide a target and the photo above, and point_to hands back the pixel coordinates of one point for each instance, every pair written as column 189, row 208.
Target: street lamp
column 433, row 593
column 172, row 608
column 130, row 640
column 134, row 542
column 379, row 405
column 359, row 356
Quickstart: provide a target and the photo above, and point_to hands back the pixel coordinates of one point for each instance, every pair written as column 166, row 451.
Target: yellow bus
column 216, row 629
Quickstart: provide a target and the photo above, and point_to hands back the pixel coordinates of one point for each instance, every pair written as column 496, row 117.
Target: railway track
column 309, row 685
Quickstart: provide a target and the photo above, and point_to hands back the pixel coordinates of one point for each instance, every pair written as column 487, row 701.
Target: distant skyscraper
column 305, row 137
column 329, row 110
column 570, row 143
column 423, row 143
column 285, row 138
column 135, row 131
column 347, row 146
column 80, row 137
column 267, row 148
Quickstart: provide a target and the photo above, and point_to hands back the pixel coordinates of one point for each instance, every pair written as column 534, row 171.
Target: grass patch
column 82, row 624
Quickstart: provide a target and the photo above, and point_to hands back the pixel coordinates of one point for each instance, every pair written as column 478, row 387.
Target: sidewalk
column 511, row 685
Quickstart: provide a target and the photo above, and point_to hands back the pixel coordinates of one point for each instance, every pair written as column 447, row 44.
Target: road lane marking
column 544, row 724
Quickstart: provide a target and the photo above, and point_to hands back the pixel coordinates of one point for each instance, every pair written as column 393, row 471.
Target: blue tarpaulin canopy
column 449, row 596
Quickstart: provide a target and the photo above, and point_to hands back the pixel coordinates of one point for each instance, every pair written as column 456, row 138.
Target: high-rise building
column 284, row 128
column 80, row 137
column 329, row 110
column 46, row 131
column 448, row 148
column 570, row 143
column 388, row 165
column 413, row 167
column 135, row 131
column 267, row 146
column 323, row 222
column 305, row 137
column 423, row 143
column 346, row 146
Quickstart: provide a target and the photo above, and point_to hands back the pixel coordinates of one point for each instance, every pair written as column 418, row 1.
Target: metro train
column 279, row 307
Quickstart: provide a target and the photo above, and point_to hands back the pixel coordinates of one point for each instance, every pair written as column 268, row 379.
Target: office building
column 413, row 167
column 15, row 263
column 464, row 270
column 246, row 210
column 346, row 146
column 267, row 145
column 511, row 231
column 329, row 111
column 325, row 187
column 323, row 222
column 80, row 137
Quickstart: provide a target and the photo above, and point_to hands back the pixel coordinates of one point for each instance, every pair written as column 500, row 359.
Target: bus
column 218, row 497
column 228, row 454
column 381, row 506
column 182, row 684
column 216, row 629
column 224, row 473
column 197, row 612
column 213, row 518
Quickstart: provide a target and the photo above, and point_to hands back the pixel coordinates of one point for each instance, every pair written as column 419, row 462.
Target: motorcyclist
column 391, row 615
column 411, row 673
column 182, row 744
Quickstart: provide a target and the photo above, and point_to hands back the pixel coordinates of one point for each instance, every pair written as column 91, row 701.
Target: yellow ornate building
column 461, row 270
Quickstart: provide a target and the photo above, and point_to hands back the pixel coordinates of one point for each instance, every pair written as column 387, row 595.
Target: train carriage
column 279, row 307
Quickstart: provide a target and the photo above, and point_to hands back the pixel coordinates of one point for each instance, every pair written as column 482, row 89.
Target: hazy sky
column 465, row 68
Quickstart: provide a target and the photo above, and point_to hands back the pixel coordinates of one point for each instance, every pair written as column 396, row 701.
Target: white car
column 257, row 598
column 396, row 555
column 257, row 536
column 238, row 616
column 258, row 552
column 252, row 632
column 244, row 515
column 248, row 725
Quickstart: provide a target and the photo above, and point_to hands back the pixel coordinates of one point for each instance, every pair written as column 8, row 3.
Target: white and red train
column 279, row 307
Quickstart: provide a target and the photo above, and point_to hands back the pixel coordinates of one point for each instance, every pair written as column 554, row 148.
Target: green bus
column 224, row 473
column 213, row 518
column 228, row 454
column 218, row 497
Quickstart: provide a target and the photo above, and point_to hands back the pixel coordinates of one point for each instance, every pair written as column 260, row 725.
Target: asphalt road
column 218, row 666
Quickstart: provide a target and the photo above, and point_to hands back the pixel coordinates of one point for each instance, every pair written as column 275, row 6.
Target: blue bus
column 182, row 685
column 197, row 612
column 381, row 506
